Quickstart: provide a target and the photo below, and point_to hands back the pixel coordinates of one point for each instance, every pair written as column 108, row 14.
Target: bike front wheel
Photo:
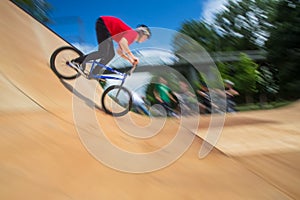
column 59, row 62
column 116, row 100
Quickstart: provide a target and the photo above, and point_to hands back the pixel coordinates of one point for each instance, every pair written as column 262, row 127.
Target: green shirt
column 163, row 92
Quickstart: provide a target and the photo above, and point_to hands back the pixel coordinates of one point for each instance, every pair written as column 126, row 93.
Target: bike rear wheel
column 116, row 100
column 59, row 62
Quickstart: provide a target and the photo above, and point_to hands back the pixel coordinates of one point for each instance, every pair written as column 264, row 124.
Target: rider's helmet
column 229, row 82
column 144, row 30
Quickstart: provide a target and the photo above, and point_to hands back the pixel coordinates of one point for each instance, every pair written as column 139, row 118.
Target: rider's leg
column 102, row 35
column 106, row 53
column 105, row 46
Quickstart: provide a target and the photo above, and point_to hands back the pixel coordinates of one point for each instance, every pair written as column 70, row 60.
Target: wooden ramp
column 44, row 155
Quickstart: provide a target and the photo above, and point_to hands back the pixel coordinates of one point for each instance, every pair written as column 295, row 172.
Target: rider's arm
column 124, row 51
column 157, row 96
column 171, row 97
column 232, row 92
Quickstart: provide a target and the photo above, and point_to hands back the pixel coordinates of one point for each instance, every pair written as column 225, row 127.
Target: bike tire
column 110, row 104
column 59, row 59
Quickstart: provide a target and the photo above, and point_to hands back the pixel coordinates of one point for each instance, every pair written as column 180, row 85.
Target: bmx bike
column 116, row 100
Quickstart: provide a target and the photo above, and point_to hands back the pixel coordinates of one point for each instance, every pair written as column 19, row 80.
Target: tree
column 245, row 76
column 201, row 32
column 39, row 9
column 284, row 47
column 244, row 25
column 266, row 84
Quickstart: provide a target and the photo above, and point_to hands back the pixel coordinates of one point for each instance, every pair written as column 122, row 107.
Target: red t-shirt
column 118, row 29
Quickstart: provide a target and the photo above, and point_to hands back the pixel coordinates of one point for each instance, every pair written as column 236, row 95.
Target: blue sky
column 155, row 13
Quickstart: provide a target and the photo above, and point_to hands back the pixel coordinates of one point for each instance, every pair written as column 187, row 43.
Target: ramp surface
column 42, row 156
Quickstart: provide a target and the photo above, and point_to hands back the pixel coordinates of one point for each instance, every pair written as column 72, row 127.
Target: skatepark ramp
column 45, row 153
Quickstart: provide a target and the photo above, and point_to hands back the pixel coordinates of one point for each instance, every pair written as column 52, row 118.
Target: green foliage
column 246, row 75
column 244, row 25
column 266, row 81
column 270, row 105
column 284, row 47
column 201, row 32
column 272, row 25
column 225, row 70
column 39, row 9
column 243, row 73
column 186, row 48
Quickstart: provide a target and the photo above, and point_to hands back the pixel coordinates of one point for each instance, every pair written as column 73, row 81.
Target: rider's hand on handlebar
column 134, row 64
column 135, row 61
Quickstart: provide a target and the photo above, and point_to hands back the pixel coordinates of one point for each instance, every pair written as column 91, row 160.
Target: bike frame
column 122, row 76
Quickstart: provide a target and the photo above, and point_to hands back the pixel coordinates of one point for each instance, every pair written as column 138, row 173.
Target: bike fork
column 121, row 85
column 119, row 90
